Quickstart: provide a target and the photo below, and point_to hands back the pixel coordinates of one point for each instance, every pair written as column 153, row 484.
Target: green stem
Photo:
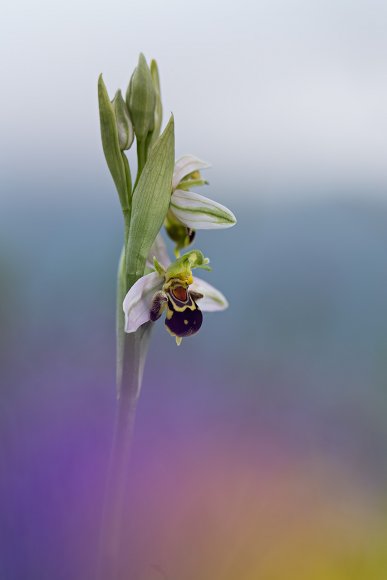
column 141, row 159
column 128, row 178
column 116, row 488
column 131, row 354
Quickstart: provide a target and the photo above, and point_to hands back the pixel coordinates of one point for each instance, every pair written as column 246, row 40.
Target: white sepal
column 200, row 213
column 186, row 165
column 137, row 302
column 212, row 300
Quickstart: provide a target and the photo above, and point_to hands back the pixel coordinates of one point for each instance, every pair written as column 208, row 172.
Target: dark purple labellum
column 184, row 323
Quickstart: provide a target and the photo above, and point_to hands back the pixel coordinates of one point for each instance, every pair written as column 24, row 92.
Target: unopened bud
column 141, row 99
column 124, row 124
column 178, row 232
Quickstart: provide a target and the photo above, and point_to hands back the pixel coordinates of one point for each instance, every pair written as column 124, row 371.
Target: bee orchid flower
column 172, row 289
column 195, row 211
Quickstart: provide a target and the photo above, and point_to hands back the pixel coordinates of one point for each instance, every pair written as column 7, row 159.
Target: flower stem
column 131, row 354
column 135, row 347
column 141, row 159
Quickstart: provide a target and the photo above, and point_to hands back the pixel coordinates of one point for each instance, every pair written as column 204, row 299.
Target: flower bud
column 178, row 232
column 158, row 106
column 124, row 124
column 141, row 99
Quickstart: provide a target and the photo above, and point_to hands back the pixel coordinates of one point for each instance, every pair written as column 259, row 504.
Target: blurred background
column 260, row 449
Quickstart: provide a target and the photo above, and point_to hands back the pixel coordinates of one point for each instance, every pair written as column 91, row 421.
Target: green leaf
column 150, row 203
column 110, row 144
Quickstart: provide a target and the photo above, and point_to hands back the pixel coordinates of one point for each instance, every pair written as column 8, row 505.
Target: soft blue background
column 278, row 406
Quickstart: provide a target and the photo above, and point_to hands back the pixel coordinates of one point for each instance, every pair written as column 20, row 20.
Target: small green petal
column 187, row 184
column 183, row 266
column 158, row 267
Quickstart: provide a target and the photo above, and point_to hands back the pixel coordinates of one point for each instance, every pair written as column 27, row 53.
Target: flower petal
column 200, row 213
column 186, row 165
column 138, row 300
column 212, row 300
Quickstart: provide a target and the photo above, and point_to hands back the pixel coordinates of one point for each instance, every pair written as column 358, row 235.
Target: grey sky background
column 282, row 97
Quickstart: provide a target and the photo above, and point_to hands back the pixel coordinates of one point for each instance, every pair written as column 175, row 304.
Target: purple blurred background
column 260, row 444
